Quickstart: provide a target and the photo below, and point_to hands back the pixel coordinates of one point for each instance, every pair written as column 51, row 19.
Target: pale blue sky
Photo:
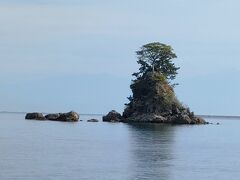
column 60, row 55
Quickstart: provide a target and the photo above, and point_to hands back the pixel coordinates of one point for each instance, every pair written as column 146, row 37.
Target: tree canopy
column 156, row 57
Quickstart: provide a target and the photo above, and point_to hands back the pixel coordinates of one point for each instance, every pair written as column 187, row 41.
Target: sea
column 47, row 150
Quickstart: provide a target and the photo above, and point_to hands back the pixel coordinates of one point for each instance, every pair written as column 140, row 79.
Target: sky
column 62, row 55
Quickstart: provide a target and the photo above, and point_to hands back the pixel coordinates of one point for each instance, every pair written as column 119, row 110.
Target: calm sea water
column 45, row 150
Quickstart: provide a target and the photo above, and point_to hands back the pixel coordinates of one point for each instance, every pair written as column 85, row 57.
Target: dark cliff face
column 153, row 99
column 151, row 94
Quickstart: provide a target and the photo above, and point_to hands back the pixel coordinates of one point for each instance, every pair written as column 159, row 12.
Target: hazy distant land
column 96, row 114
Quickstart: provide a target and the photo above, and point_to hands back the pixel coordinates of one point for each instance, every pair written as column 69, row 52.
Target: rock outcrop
column 154, row 101
column 66, row 117
column 151, row 118
column 69, row 117
column 35, row 116
column 53, row 117
column 113, row 116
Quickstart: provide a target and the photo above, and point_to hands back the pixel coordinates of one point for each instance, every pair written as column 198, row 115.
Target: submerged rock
column 35, row 116
column 92, row 120
column 113, row 116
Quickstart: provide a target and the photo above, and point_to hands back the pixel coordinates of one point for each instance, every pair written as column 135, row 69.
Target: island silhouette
column 153, row 99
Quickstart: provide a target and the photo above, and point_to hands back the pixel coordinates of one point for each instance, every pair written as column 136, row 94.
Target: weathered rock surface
column 53, row 117
column 92, row 120
column 67, row 117
column 181, row 119
column 70, row 117
column 35, row 116
column 199, row 120
column 154, row 101
column 151, row 118
column 113, row 116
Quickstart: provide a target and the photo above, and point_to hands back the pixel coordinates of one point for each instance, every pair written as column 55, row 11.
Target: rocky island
column 154, row 99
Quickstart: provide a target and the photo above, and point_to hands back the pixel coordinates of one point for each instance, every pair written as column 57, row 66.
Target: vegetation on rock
column 153, row 98
column 156, row 57
column 151, row 94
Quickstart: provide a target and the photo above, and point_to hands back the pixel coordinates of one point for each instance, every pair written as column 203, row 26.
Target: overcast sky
column 60, row 55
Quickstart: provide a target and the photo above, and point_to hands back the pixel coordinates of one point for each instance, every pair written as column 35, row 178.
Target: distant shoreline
column 219, row 116
column 85, row 114
column 89, row 114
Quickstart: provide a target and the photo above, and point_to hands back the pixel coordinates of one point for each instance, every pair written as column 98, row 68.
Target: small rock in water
column 113, row 116
column 67, row 117
column 218, row 123
column 92, row 120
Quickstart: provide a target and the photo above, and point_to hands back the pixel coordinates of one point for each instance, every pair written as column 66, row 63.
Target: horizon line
column 101, row 114
column 23, row 112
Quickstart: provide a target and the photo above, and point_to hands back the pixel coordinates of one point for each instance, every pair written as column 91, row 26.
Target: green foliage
column 156, row 57
column 153, row 98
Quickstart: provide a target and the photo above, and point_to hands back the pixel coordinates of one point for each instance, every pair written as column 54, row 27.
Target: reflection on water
column 39, row 150
column 151, row 150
